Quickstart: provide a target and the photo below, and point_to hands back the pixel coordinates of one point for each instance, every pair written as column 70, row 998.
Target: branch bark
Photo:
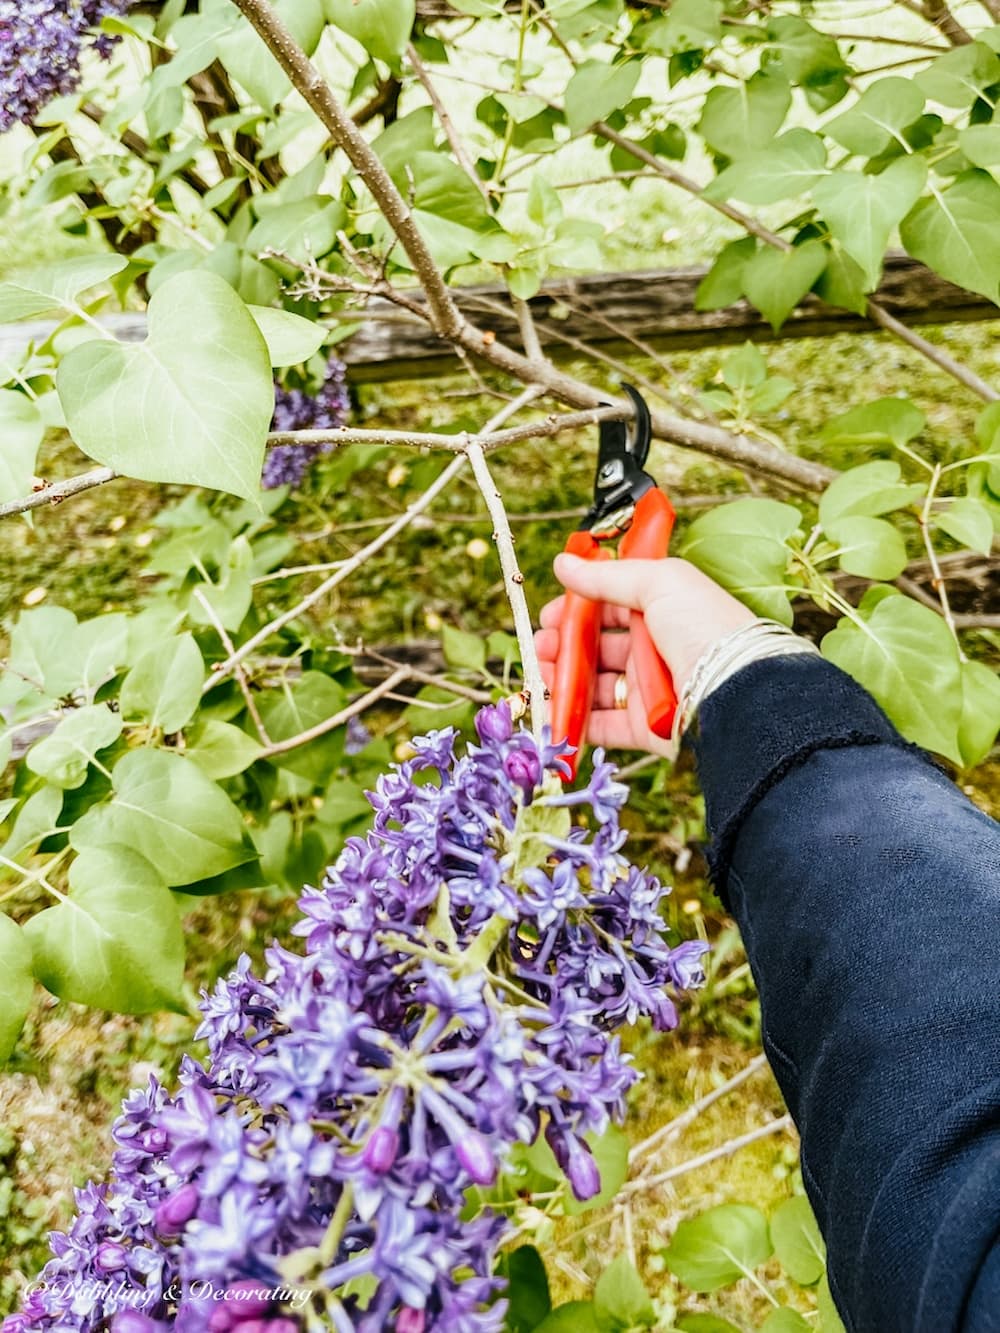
column 445, row 316
column 319, row 96
column 756, row 228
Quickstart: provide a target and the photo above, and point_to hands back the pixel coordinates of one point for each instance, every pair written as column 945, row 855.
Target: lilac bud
column 177, row 1210
column 111, row 1257
column 476, row 1157
column 283, row 1325
column 584, row 1175
column 494, row 723
column 411, row 1320
column 381, row 1150
column 242, row 1325
column 154, row 1140
column 248, row 1301
column 131, row 1321
column 221, row 1319
column 524, row 769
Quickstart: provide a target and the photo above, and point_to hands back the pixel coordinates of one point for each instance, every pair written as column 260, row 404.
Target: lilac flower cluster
column 294, row 409
column 465, row 967
column 41, row 45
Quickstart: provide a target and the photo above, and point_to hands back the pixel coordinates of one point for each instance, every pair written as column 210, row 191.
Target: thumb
column 628, row 583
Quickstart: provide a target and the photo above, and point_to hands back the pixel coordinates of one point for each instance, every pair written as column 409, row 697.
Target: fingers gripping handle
column 649, row 539
column 576, row 665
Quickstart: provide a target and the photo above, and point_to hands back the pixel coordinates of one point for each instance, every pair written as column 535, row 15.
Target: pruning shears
column 627, row 504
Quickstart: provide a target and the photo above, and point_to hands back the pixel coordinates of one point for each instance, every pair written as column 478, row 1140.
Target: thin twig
column 241, row 675
column 58, row 491
column 937, row 578
column 526, row 324
column 489, row 440
column 349, row 566
column 513, row 586
column 424, row 677
column 691, row 1113
column 454, row 140
column 335, row 720
column 695, row 1163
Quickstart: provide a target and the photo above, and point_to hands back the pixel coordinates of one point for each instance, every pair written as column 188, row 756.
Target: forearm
column 866, row 887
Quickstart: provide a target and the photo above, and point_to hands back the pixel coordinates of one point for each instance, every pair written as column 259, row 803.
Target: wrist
column 752, row 641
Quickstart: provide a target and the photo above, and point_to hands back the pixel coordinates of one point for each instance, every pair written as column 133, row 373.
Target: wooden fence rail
column 609, row 311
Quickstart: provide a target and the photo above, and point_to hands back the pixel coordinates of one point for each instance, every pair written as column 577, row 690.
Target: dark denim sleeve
column 867, row 889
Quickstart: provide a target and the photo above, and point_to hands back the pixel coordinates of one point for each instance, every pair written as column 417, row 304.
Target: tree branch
column 58, row 491
column 319, row 96
column 778, row 1126
column 224, row 669
column 444, row 314
column 454, row 142
column 877, row 313
column 513, row 586
column 937, row 13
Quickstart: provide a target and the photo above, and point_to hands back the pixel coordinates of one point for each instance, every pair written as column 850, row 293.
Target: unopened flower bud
column 411, row 1320
column 111, row 1257
column 524, row 769
column 584, row 1175
column 131, row 1321
column 177, row 1210
column 476, row 1157
column 154, row 1140
column 494, row 723
column 381, row 1149
column 251, row 1300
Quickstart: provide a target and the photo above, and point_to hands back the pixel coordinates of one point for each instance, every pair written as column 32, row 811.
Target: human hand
column 685, row 611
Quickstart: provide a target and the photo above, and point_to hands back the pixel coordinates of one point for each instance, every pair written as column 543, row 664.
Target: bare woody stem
column 513, row 585
column 58, row 491
column 876, row 312
column 446, row 317
column 224, row 669
column 450, row 133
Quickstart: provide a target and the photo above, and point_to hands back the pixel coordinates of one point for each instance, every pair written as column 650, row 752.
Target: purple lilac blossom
column 465, row 967
column 294, row 409
column 41, row 46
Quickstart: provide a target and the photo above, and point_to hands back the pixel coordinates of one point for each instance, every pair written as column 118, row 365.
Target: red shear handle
column 649, row 539
column 576, row 664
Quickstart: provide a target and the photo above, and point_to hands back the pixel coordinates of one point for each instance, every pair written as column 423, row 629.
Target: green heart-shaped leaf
column 21, row 431
column 164, row 686
column 718, row 1246
column 192, row 404
column 172, row 814
column 776, row 280
column 797, row 1241
column 905, row 656
column 64, row 756
column 16, row 983
column 116, row 941
column 58, row 285
column 861, row 210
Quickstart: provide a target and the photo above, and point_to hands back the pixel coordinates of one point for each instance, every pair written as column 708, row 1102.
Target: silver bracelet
column 750, row 643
